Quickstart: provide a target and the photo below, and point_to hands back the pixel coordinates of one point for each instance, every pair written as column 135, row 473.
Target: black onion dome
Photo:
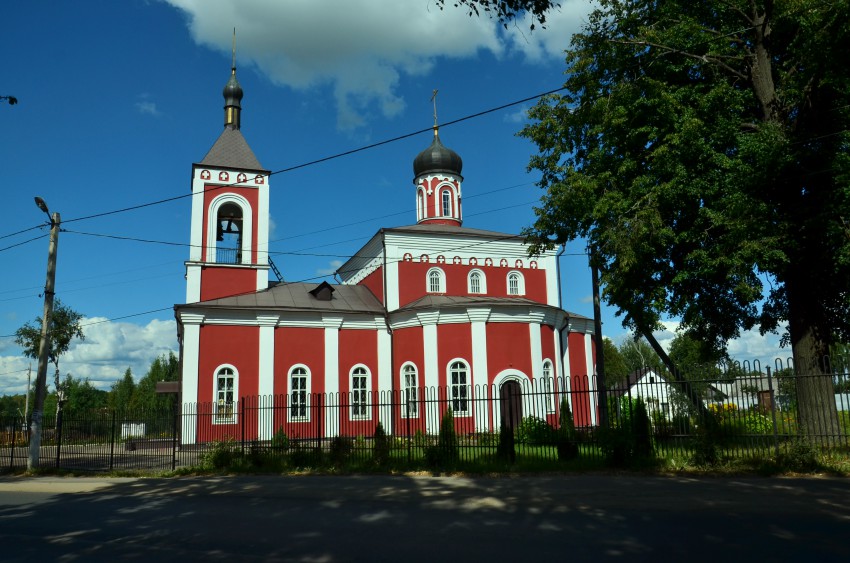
column 437, row 158
column 232, row 91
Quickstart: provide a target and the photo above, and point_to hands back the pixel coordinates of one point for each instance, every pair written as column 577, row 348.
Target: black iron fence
column 752, row 414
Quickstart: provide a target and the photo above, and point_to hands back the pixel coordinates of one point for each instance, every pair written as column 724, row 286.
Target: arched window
column 224, row 395
column 299, row 393
column 410, row 386
column 436, row 281
column 548, row 386
column 421, row 205
column 360, row 387
column 228, row 248
column 516, row 284
column 229, row 230
column 459, row 387
column 477, row 282
column 447, row 203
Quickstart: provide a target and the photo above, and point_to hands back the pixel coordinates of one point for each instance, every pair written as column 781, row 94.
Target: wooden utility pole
column 602, row 393
column 44, row 344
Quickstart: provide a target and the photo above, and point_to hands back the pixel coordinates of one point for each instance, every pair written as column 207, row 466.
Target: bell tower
column 230, row 212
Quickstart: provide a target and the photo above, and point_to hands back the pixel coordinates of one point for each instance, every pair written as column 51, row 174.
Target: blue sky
column 118, row 99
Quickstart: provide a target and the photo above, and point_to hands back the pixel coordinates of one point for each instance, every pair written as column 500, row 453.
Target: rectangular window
column 459, row 389
column 298, row 397
column 359, row 388
column 411, row 402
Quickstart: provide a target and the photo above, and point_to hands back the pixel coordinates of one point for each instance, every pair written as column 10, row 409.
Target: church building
column 428, row 316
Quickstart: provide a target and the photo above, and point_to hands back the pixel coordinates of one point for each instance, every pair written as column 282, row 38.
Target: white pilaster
column 480, row 373
column 385, row 374
column 432, row 369
column 332, row 325
column 189, row 377
column 265, row 386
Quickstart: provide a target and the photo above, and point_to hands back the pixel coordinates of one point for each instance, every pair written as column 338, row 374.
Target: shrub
column 802, row 456
column 340, row 449
column 641, row 431
column 221, row 455
column 535, row 431
column 280, row 441
column 755, row 423
column 380, row 446
column 505, row 451
column 567, row 447
column 445, row 452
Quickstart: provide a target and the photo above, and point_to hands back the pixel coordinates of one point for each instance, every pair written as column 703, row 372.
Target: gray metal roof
column 231, row 150
column 297, row 297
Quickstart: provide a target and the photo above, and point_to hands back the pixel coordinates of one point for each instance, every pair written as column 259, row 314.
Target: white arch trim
column 247, row 225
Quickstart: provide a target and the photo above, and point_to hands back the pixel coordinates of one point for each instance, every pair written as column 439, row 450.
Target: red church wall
column 508, row 347
column 212, row 191
column 302, row 346
column 454, row 341
column 299, row 346
column 413, row 283
column 356, row 347
column 239, row 347
column 219, row 282
column 375, row 283
column 579, row 380
column 408, row 347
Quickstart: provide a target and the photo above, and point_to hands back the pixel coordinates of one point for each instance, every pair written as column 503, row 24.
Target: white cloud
column 107, row 351
column 518, row 116
column 551, row 42
column 333, row 266
column 362, row 48
column 147, row 107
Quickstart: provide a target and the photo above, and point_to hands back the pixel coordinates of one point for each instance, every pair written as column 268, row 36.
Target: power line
column 320, row 160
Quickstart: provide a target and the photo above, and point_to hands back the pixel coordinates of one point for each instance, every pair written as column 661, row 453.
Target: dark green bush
column 341, row 448
column 280, row 441
column 505, row 451
column 535, row 431
column 380, row 446
column 566, row 442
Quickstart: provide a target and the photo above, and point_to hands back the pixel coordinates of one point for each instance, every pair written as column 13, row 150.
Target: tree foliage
column 702, row 150
column 64, row 327
column 506, row 11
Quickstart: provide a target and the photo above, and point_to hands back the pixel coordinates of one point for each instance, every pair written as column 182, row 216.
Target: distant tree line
column 126, row 394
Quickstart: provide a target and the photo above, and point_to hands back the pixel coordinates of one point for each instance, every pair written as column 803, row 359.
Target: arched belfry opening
column 228, row 248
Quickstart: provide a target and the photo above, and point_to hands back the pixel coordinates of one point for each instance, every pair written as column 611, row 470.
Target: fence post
column 175, row 411
column 58, row 432
column 773, row 413
column 406, row 410
column 242, row 423
column 12, row 449
column 112, row 442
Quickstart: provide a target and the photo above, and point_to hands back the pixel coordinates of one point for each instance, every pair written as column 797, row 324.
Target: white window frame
column 410, row 390
column 225, row 371
column 482, row 282
column 459, row 393
column 360, row 397
column 520, row 283
column 247, row 226
column 299, row 396
column 441, row 281
column 446, row 202
column 420, row 203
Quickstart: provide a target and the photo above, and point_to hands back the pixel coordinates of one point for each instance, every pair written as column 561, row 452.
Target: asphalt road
column 413, row 518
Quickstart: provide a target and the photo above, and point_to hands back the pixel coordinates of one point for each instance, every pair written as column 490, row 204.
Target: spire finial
column 233, row 52
column 434, row 101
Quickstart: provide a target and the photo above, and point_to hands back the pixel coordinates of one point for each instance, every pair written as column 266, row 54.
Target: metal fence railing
column 749, row 414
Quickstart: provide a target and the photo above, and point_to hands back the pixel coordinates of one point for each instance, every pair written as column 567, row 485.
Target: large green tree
column 702, row 150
